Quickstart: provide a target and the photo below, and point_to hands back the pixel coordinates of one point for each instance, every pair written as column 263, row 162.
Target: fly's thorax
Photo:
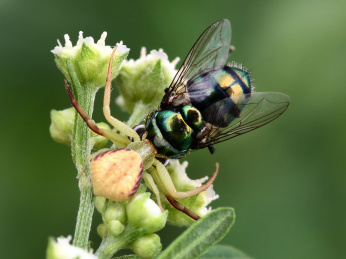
column 192, row 116
column 146, row 151
column 174, row 129
column 172, row 132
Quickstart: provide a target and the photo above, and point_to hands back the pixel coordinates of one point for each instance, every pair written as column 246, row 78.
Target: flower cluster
column 140, row 213
column 89, row 60
column 144, row 80
column 62, row 249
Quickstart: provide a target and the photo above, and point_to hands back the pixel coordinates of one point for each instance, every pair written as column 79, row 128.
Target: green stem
column 110, row 245
column 81, row 148
column 139, row 112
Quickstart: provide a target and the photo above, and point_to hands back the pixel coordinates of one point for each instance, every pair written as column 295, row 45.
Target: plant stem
column 110, row 245
column 139, row 112
column 85, row 213
column 82, row 149
column 85, row 96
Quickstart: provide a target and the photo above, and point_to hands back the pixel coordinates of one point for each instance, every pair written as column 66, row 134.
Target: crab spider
column 135, row 156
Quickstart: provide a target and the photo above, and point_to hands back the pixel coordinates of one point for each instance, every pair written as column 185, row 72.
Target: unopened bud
column 143, row 212
column 147, row 246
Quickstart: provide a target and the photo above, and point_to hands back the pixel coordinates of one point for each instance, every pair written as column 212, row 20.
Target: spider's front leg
column 117, row 139
column 118, row 125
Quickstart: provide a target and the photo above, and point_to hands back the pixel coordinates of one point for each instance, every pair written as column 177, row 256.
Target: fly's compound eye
column 140, row 130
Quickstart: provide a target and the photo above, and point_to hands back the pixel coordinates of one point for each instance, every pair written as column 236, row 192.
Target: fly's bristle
column 236, row 65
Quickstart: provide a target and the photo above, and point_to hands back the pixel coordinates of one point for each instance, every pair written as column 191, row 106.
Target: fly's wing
column 258, row 109
column 210, row 50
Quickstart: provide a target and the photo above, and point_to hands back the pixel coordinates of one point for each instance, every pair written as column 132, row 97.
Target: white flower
column 144, row 80
column 90, row 60
column 62, row 249
column 153, row 57
column 100, row 46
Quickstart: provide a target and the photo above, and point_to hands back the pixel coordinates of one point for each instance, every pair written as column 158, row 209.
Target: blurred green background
column 286, row 180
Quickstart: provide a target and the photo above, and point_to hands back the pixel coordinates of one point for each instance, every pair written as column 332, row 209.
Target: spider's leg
column 182, row 208
column 118, row 125
column 169, row 197
column 164, row 180
column 89, row 158
column 117, row 139
column 153, row 187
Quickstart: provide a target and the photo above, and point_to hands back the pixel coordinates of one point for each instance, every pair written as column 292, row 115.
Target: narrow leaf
column 75, row 84
column 126, row 257
column 224, row 252
column 201, row 235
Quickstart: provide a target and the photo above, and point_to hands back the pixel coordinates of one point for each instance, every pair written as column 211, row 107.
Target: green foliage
column 202, row 235
column 224, row 252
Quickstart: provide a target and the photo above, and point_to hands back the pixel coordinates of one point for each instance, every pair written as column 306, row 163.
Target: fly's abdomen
column 220, row 94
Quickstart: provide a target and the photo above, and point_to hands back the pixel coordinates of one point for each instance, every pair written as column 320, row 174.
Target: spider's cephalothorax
column 206, row 103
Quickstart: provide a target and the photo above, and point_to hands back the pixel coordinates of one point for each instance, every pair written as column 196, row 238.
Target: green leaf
column 201, row 235
column 224, row 252
column 126, row 257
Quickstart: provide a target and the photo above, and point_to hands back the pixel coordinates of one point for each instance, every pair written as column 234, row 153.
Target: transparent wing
column 210, row 50
column 259, row 110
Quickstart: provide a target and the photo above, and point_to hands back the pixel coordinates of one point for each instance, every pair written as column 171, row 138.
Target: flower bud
column 61, row 128
column 115, row 227
column 147, row 246
column 145, row 79
column 197, row 203
column 115, row 211
column 62, row 125
column 89, row 60
column 143, row 212
column 99, row 203
column 62, row 249
column 101, row 230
